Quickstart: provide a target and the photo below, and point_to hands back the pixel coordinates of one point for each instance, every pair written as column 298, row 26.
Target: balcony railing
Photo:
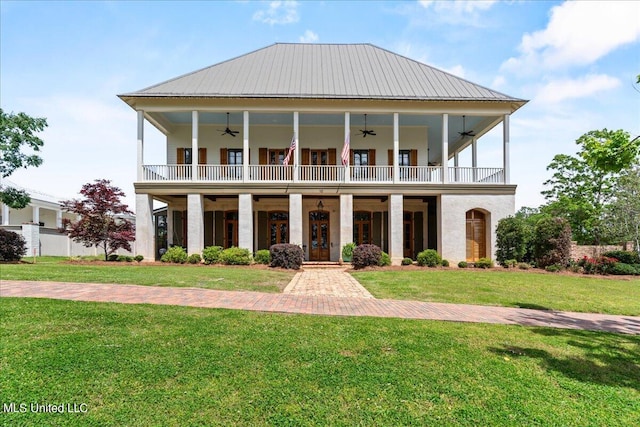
column 323, row 174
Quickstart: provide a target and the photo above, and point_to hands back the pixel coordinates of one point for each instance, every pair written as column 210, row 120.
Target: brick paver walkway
column 324, row 305
column 326, row 281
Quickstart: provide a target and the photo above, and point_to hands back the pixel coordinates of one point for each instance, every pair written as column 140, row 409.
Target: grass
column 507, row 288
column 174, row 366
column 198, row 276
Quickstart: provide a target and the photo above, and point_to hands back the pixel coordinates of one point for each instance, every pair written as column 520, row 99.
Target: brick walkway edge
column 320, row 305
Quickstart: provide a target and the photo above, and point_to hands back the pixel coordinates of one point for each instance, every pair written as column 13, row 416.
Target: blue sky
column 575, row 61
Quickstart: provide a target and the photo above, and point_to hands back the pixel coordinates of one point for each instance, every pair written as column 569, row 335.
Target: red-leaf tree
column 100, row 222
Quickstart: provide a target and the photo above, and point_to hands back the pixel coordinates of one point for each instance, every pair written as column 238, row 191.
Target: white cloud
column 456, row 70
column 278, row 12
column 458, row 6
column 498, row 82
column 578, row 33
column 309, row 37
column 560, row 90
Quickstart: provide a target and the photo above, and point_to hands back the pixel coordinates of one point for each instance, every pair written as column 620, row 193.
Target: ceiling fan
column 365, row 132
column 466, row 132
column 228, row 131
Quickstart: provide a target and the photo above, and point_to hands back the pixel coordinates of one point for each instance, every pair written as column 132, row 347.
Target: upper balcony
column 322, row 174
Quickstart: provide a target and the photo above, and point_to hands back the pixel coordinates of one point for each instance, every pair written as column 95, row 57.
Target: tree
column 552, row 242
column 623, row 214
column 511, row 239
column 99, row 223
column 18, row 131
column 583, row 185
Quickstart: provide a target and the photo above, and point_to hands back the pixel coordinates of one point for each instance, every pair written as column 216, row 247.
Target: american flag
column 345, row 151
column 292, row 148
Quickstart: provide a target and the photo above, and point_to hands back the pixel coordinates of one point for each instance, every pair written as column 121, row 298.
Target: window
column 404, row 158
column 362, row 228
column 230, row 229
column 276, row 157
column 278, row 227
column 360, row 157
column 234, row 157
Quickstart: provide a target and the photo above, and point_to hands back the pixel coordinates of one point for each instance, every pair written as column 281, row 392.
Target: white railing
column 420, row 174
column 321, row 173
column 371, row 173
column 476, row 175
column 270, row 173
column 279, row 173
column 166, row 172
column 220, row 172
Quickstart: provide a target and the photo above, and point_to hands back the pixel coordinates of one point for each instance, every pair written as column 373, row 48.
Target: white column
column 474, row 158
column 245, row 221
column 396, row 210
column 295, row 219
column 144, row 227
column 194, row 146
column 347, row 130
column 245, row 146
column 35, row 214
column 140, row 157
column 5, row 214
column 195, row 223
column 170, row 212
column 296, row 128
column 58, row 219
column 346, row 220
column 505, row 151
column 396, row 148
column 445, row 148
column 455, row 165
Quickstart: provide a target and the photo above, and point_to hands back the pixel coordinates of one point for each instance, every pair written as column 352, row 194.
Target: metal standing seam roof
column 332, row 71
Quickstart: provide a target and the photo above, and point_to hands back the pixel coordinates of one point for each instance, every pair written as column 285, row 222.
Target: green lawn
column 175, row 366
column 507, row 288
column 197, row 276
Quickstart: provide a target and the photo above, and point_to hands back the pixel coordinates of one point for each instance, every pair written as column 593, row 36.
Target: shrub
column 12, row 246
column 407, row 261
column 511, row 239
column 235, row 256
column 553, row 268
column 626, row 257
column 510, row 263
column 598, row 265
column 194, row 259
column 366, row 255
column 124, row 258
column 113, row 258
column 347, row 251
column 286, row 255
column 445, row 263
column 463, row 264
column 524, row 266
column 552, row 242
column 620, row 268
column 263, row 256
column 484, row 263
column 429, row 258
column 138, row 258
column 211, row 254
column 385, row 259
column 175, row 254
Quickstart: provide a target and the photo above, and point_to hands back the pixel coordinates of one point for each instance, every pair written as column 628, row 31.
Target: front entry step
column 324, row 264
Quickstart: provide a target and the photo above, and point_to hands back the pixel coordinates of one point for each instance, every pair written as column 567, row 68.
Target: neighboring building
column 229, row 128
column 39, row 223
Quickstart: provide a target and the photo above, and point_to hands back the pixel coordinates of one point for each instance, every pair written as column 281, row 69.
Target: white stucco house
column 374, row 141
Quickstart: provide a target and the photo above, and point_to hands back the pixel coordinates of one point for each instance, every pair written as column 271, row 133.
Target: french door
column 476, row 235
column 319, row 236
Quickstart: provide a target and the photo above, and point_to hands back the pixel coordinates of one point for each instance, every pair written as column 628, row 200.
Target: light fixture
column 320, row 205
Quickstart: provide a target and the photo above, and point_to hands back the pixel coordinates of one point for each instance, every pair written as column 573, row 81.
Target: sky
column 576, row 63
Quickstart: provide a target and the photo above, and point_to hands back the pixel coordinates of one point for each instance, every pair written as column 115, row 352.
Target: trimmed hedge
column 620, row 268
column 175, row 254
column 385, row 259
column 484, row 263
column 211, row 254
column 286, row 255
column 235, row 256
column 194, row 259
column 625, row 257
column 366, row 255
column 263, row 256
column 407, row 261
column 12, row 246
column 429, row 258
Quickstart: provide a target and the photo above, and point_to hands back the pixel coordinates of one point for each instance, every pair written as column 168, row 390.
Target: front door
column 407, row 234
column 319, row 236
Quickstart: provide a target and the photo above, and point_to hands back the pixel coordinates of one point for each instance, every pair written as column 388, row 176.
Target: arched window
column 476, row 235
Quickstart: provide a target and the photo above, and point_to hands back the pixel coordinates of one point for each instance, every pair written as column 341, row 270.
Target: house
column 39, row 224
column 374, row 140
